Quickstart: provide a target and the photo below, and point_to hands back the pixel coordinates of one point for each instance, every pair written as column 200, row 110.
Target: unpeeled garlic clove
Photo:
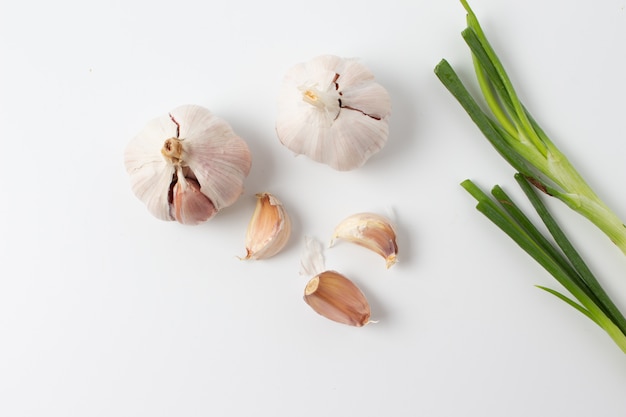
column 335, row 297
column 269, row 228
column 371, row 231
column 189, row 205
column 333, row 111
column 183, row 155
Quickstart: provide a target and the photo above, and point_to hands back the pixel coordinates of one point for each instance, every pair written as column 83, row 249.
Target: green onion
column 560, row 259
column 519, row 139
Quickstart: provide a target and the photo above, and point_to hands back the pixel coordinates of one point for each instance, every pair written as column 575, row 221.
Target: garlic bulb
column 187, row 165
column 269, row 228
column 333, row 111
column 371, row 231
column 335, row 297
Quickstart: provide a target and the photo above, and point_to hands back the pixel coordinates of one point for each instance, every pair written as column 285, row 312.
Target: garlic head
column 333, row 111
column 269, row 228
column 187, row 165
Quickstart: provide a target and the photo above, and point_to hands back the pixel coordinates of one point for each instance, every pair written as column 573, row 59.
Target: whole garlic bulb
column 332, row 110
column 187, row 165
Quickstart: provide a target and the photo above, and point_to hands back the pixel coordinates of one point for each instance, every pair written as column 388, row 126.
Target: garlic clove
column 269, row 228
column 189, row 205
column 332, row 110
column 371, row 231
column 335, row 297
column 205, row 147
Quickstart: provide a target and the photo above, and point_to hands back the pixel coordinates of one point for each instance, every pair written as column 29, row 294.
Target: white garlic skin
column 187, row 165
column 332, row 110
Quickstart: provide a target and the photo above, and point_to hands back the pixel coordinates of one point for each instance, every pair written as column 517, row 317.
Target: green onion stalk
column 540, row 165
column 519, row 139
column 560, row 258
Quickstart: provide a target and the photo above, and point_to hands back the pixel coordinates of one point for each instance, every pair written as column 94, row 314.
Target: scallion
column 560, row 259
column 521, row 142
column 519, row 139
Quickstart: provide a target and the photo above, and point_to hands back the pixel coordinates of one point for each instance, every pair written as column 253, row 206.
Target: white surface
column 105, row 311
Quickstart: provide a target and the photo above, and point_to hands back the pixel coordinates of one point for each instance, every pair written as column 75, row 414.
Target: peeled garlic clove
column 269, row 228
column 371, row 231
column 191, row 140
column 335, row 297
column 332, row 110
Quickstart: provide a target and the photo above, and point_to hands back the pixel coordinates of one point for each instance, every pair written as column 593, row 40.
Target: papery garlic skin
column 187, row 165
column 371, row 231
column 312, row 261
column 269, row 228
column 335, row 297
column 332, row 110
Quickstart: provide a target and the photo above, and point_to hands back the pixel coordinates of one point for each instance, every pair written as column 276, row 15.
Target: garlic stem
column 323, row 100
column 173, row 151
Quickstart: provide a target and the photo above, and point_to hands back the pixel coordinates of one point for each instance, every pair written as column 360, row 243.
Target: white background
column 106, row 311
